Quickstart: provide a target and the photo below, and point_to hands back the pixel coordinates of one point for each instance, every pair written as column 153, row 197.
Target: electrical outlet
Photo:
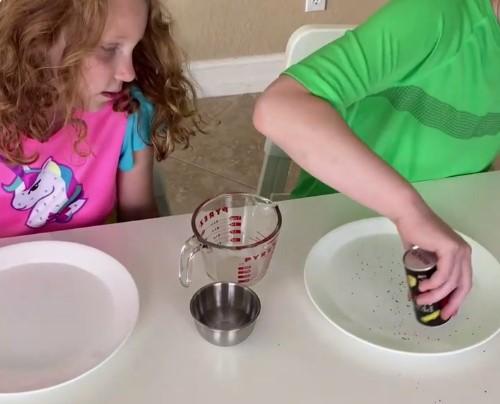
column 315, row 5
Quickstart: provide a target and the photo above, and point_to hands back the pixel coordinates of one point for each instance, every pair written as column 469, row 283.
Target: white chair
column 304, row 41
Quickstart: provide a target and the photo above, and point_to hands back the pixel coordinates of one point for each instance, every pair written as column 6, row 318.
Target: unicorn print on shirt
column 50, row 194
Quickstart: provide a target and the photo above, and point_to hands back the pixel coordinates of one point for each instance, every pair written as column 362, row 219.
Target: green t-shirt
column 419, row 83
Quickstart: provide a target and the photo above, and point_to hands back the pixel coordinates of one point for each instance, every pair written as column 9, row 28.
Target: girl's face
column 110, row 65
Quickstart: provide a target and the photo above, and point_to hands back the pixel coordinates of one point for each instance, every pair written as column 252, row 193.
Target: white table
column 294, row 355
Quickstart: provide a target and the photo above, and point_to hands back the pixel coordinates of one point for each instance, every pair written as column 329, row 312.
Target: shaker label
column 420, row 265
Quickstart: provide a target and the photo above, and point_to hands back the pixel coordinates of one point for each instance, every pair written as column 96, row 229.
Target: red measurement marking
column 235, row 218
column 234, row 224
column 235, row 231
column 235, row 240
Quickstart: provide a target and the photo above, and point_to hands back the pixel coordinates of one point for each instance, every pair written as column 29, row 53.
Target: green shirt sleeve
column 400, row 37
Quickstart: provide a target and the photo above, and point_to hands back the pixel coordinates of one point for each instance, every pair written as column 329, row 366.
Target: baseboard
column 249, row 74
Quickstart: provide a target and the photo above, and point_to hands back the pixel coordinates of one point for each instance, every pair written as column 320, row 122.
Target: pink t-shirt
column 63, row 189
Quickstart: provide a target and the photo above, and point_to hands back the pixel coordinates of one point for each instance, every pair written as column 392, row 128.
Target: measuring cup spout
column 268, row 203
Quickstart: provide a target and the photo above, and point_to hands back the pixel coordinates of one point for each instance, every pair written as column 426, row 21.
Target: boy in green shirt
column 412, row 94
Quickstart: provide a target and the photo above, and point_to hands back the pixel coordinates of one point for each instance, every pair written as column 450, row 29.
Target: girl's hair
column 33, row 93
column 158, row 63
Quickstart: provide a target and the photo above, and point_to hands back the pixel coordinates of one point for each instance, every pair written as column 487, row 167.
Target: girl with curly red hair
column 90, row 91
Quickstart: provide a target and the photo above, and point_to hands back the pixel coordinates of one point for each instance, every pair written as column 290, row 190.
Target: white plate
column 64, row 309
column 355, row 277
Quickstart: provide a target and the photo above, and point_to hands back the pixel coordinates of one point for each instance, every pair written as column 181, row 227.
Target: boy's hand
column 454, row 270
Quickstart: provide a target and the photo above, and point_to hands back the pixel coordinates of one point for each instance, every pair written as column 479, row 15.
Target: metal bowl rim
column 210, row 285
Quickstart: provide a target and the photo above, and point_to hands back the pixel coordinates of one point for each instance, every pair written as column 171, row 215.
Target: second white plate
column 64, row 309
column 355, row 277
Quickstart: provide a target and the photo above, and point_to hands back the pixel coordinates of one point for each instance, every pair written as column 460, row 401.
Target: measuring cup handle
column 188, row 251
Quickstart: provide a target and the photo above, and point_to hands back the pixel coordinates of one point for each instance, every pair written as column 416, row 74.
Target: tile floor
column 227, row 159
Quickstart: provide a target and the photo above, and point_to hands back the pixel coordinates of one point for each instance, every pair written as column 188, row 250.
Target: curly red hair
column 33, row 93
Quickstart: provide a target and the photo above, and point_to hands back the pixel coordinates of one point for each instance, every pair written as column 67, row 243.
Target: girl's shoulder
column 145, row 104
column 138, row 131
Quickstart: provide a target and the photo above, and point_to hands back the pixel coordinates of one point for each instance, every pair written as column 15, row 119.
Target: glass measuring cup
column 235, row 235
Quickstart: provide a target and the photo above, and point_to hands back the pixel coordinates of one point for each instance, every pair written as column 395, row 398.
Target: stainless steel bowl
column 225, row 312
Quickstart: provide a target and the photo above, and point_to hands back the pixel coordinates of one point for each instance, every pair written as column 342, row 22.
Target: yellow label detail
column 430, row 317
column 412, row 281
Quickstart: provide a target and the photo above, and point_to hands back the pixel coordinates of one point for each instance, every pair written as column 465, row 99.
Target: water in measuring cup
column 240, row 266
column 233, row 227
column 225, row 269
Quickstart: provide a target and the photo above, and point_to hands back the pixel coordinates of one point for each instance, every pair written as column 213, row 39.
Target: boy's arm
column 496, row 164
column 314, row 135
column 305, row 120
column 135, row 189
